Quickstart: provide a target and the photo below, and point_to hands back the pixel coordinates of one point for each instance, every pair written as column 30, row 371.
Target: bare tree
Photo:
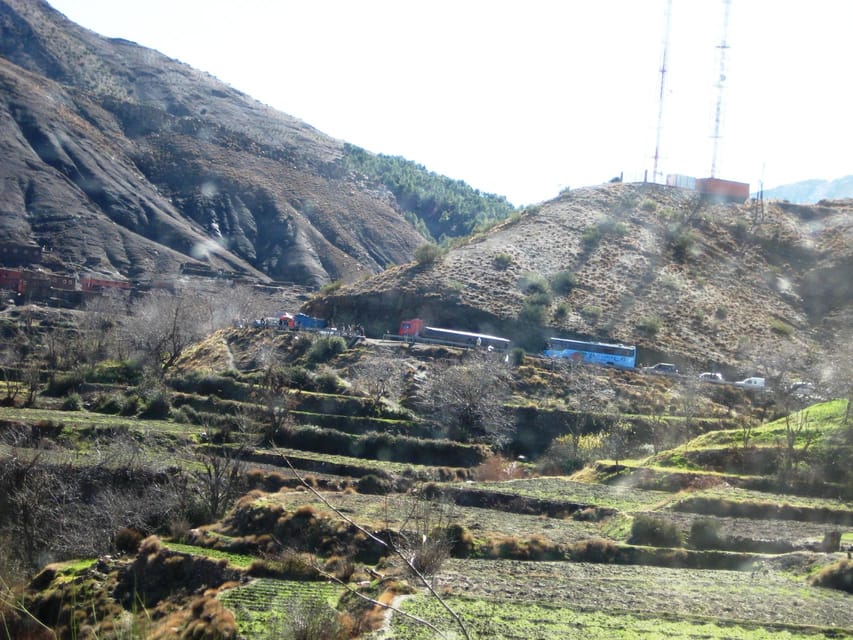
column 13, row 386
column 274, row 393
column 237, row 302
column 798, row 439
column 219, row 478
column 162, row 325
column 380, row 378
column 99, row 337
column 467, row 400
column 616, row 443
column 589, row 401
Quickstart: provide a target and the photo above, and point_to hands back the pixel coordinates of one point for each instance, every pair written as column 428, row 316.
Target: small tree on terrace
column 379, row 378
column 219, row 480
column 587, row 396
column 467, row 400
column 162, row 325
column 616, row 443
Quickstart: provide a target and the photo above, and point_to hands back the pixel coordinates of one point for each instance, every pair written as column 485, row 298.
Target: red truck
column 411, row 328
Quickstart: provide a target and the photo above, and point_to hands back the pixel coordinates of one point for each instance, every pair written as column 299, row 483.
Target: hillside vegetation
column 441, row 208
column 267, row 475
column 715, row 287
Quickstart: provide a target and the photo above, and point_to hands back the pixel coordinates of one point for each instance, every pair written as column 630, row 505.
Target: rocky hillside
column 708, row 285
column 124, row 161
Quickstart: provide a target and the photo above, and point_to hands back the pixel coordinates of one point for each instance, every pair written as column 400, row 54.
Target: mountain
column 710, row 286
column 125, row 162
column 811, row 191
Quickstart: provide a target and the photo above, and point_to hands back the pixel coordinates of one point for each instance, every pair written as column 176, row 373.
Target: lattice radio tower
column 721, row 84
column 667, row 19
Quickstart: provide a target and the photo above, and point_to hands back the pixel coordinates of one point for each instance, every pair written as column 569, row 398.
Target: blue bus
column 618, row 355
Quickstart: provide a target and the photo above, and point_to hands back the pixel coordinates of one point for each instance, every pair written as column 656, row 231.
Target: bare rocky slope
column 721, row 286
column 126, row 162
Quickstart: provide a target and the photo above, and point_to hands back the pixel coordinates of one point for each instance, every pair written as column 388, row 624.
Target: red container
column 727, row 190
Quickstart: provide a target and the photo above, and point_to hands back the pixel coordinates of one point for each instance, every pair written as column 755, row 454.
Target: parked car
column 801, row 388
column 751, row 383
column 663, row 368
column 709, row 376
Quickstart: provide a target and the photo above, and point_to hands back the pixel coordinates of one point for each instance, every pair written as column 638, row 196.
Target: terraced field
column 393, row 512
column 260, row 607
column 579, row 600
column 625, row 498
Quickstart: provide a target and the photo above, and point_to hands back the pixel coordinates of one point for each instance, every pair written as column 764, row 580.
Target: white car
column 710, row 376
column 664, row 368
column 751, row 383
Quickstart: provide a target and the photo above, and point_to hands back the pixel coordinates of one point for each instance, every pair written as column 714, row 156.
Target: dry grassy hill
column 705, row 284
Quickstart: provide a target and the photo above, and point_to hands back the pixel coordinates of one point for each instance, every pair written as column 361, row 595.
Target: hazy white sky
column 523, row 98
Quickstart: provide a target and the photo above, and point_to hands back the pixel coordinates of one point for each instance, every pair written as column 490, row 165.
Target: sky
column 526, row 98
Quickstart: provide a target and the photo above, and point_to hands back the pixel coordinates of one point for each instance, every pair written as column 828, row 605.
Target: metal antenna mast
column 667, row 17
column 721, row 83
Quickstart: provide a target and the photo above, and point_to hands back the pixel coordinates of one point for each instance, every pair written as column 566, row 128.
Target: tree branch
column 390, row 546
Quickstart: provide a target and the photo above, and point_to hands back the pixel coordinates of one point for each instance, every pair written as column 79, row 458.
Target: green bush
column 533, row 313
column 502, row 261
column 562, row 311
column 210, row 385
column 560, row 458
column 325, row 348
column 298, row 378
column 539, row 299
column 531, row 283
column 64, row 384
column 781, row 328
column 650, row 324
column 329, row 382
column 373, row 484
column 705, row 534
column 112, row 403
column 187, row 415
column 654, row 532
column 72, row 402
column 590, row 238
column 158, row 408
column 681, row 243
column 427, row 254
column 563, row 282
column 331, row 287
column 310, row 619
column 836, row 576
column 116, row 372
column 648, row 205
column 592, row 312
column 131, row 405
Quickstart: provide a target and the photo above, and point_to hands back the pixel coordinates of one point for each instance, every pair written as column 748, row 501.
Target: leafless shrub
column 467, row 399
column 311, row 619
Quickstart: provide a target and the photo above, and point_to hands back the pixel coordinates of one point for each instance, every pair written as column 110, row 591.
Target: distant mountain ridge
column 127, row 163
column 812, row 191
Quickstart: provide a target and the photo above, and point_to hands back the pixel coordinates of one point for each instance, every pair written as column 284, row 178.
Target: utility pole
column 721, row 83
column 667, row 20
